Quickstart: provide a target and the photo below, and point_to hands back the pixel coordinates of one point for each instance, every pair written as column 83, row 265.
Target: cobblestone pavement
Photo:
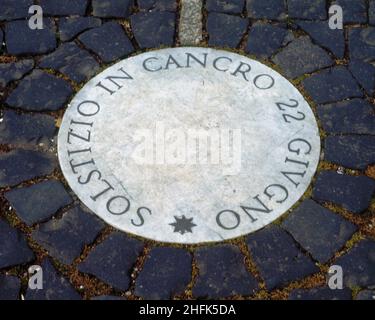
column 42, row 222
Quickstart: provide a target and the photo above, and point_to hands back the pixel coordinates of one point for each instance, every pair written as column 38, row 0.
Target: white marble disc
column 189, row 145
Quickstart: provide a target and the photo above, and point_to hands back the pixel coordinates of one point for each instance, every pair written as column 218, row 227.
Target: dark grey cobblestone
column 365, row 75
column 366, row 295
column 359, row 265
column 153, row 29
column 109, row 41
column 64, row 8
column 225, row 6
column 107, row 298
column 162, row 5
column 222, row 273
column 21, row 165
column 9, row 287
column 266, row 9
column 353, row 193
column 14, row 249
column 265, row 39
column 301, row 56
column 69, row 59
column 362, row 43
column 20, row 129
column 310, row 219
column 55, row 286
column 355, row 152
column 65, row 238
column 166, row 272
column 307, row 9
column 332, row 85
column 371, row 12
column 21, row 40
column 12, row 10
column 112, row 260
column 354, row 11
column 38, row 202
column 40, row 91
column 112, row 8
column 352, row 116
column 322, row 293
column 278, row 258
column 225, row 30
column 14, row 71
column 332, row 40
column 72, row 26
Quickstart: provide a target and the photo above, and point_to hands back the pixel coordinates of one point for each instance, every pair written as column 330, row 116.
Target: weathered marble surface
column 188, row 202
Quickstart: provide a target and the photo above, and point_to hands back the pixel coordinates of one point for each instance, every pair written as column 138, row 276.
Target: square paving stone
column 38, row 202
column 364, row 73
column 153, row 29
column 72, row 61
column 72, row 26
column 226, row 6
column 353, row 193
column 21, row 40
column 40, row 91
column 331, row 39
column 355, row 152
column 9, row 287
column 166, row 273
column 352, row 116
column 109, row 41
column 371, row 12
column 65, row 238
column 278, row 258
column 332, row 85
column 64, row 8
column 362, row 43
column 322, row 293
column 265, row 39
column 21, row 165
column 359, row 265
column 112, row 260
column 22, row 129
column 266, row 9
column 353, row 11
column 14, row 249
column 12, row 10
column 222, row 273
column 366, row 295
column 162, row 5
column 301, row 56
column 55, row 286
column 307, row 9
column 14, row 71
column 310, row 220
column 225, row 30
column 112, row 8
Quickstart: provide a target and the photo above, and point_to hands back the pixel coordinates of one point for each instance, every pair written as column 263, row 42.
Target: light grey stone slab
column 189, row 145
column 190, row 23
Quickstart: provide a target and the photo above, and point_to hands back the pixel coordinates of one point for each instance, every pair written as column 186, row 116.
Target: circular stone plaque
column 189, row 145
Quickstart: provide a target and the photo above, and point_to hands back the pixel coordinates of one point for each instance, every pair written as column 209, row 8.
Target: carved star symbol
column 183, row 225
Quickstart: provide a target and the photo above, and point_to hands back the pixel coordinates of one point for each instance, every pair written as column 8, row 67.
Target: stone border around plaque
column 189, row 145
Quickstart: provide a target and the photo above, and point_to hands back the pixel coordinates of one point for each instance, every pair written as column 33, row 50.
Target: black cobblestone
column 322, row 293
column 222, row 273
column 278, row 258
column 14, row 71
column 307, row 9
column 153, row 29
column 225, row 30
column 64, row 8
column 301, row 56
column 266, row 9
column 38, row 202
column 225, row 6
column 355, row 152
column 112, row 8
column 21, row 40
column 20, row 165
column 352, row 116
column 72, row 26
column 166, row 272
column 109, row 41
column 14, row 249
column 9, row 287
column 353, row 193
column 72, row 61
column 310, row 219
column 332, row 85
column 112, row 260
column 162, row 5
column 20, row 129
